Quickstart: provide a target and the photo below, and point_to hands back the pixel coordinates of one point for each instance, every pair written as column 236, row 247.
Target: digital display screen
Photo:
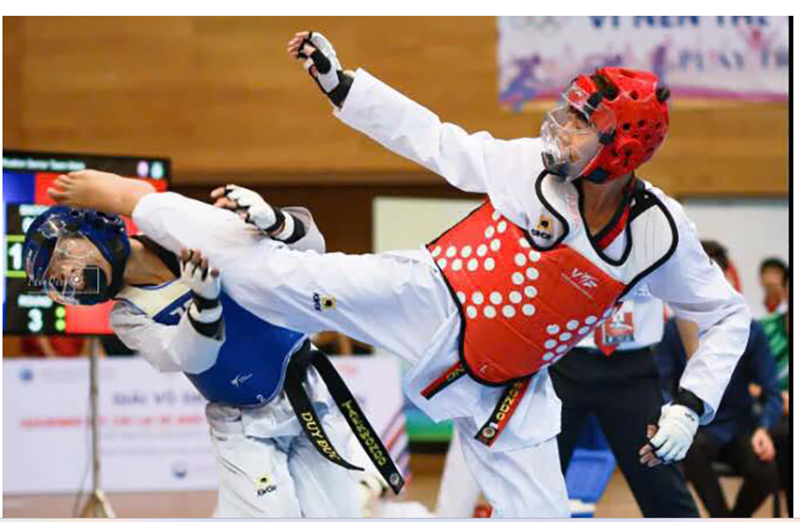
column 26, row 178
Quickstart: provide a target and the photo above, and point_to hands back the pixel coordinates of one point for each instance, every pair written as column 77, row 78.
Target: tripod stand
column 97, row 505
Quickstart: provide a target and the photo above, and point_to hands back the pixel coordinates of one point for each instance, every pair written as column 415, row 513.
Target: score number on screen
column 38, row 312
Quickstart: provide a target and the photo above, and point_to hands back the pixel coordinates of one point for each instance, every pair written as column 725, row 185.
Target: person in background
column 773, row 273
column 776, row 328
column 738, row 435
column 612, row 375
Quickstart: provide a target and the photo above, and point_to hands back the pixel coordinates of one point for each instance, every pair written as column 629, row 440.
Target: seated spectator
column 773, row 273
column 737, row 436
column 776, row 327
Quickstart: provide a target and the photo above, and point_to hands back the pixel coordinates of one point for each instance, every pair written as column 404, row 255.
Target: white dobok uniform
column 267, row 466
column 400, row 301
column 459, row 493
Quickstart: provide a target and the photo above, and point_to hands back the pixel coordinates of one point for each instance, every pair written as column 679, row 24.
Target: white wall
column 154, row 436
column 408, row 223
column 751, row 229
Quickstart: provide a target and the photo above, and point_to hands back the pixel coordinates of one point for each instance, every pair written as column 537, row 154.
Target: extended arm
column 414, row 132
column 697, row 291
column 293, row 226
column 505, row 170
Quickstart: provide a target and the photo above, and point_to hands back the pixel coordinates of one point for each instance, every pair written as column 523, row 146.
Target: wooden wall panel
column 12, row 80
column 221, row 98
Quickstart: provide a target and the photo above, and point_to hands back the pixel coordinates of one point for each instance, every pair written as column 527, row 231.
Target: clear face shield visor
column 75, row 270
column 572, row 132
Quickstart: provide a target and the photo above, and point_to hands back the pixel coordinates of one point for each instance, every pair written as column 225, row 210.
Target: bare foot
column 101, row 191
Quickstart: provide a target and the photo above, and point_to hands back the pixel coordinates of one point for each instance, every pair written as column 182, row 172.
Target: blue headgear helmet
column 105, row 231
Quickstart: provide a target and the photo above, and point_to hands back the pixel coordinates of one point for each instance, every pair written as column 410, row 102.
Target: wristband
column 203, row 303
column 208, row 315
column 690, row 400
column 280, row 219
column 208, row 322
column 338, row 95
column 294, row 230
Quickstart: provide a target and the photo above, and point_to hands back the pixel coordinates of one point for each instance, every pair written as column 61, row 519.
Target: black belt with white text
column 312, row 427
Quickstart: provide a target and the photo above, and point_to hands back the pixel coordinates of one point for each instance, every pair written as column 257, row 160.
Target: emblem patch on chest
column 264, row 485
column 324, row 302
column 544, row 228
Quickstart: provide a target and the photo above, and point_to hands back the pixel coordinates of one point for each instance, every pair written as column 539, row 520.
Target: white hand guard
column 676, row 429
column 330, row 77
column 206, row 287
column 258, row 212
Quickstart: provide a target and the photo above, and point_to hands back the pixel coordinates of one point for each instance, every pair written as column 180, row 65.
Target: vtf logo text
column 585, row 279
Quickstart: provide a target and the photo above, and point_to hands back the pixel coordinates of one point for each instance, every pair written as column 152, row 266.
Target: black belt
column 509, row 400
column 301, row 404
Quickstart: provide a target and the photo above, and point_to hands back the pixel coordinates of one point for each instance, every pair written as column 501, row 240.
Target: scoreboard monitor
column 26, row 178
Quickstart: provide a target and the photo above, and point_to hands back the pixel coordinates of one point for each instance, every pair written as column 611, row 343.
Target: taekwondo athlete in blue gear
column 238, row 362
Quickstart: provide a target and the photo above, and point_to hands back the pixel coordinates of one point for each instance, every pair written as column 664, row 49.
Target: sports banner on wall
column 728, row 57
column 153, row 431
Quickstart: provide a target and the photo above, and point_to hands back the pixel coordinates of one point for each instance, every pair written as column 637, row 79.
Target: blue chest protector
column 251, row 364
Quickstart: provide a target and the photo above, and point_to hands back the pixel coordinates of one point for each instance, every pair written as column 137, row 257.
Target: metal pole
column 97, row 505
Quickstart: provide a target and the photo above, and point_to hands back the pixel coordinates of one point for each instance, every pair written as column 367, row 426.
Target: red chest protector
column 521, row 308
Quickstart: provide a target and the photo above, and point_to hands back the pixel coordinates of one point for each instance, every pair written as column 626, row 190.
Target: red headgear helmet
column 639, row 104
column 628, row 109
